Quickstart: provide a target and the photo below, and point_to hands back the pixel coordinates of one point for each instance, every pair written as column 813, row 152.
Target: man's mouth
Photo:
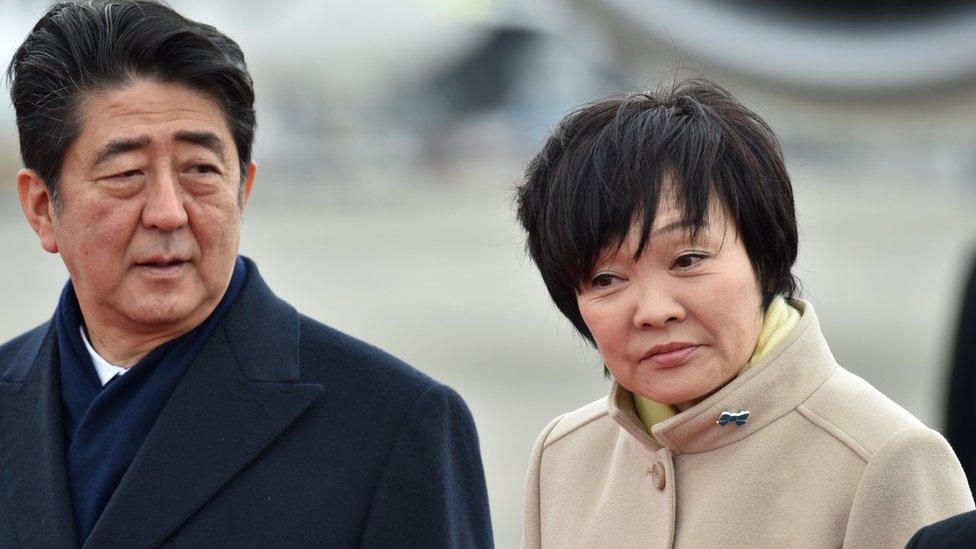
column 163, row 267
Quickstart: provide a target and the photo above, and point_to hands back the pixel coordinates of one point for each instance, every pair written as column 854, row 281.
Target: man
column 173, row 399
column 961, row 383
column 958, row 532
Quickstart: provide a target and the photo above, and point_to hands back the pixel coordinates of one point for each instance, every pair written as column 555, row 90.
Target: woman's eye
column 603, row 281
column 687, row 261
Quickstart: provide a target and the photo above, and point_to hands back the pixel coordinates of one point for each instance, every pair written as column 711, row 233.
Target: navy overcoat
column 282, row 433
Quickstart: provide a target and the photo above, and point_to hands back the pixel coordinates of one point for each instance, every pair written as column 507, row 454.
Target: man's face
column 150, row 214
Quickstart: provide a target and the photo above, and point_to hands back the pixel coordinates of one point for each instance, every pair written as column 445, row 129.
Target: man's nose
column 657, row 305
column 164, row 208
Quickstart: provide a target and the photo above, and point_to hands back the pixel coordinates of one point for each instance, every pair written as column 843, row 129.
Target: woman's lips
column 672, row 358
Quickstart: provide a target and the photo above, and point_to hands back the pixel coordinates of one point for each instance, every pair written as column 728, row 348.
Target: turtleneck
column 780, row 317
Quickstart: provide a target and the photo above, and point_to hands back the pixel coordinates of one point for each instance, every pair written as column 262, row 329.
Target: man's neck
column 125, row 347
column 127, row 354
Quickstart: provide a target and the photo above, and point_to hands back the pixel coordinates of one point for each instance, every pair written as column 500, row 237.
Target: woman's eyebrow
column 682, row 224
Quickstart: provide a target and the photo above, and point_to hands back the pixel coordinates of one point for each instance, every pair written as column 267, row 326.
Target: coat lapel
column 236, row 397
column 33, row 475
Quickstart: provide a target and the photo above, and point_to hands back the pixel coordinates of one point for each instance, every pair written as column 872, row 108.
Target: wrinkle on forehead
column 141, row 98
column 144, row 113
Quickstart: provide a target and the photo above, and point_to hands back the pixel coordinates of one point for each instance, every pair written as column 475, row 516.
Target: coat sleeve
column 432, row 492
column 916, row 539
column 913, row 480
column 531, row 514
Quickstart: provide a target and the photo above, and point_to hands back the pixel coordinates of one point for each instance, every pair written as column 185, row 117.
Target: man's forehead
column 148, row 114
column 146, row 91
column 149, row 108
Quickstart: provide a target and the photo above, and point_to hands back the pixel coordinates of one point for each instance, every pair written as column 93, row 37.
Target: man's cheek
column 215, row 229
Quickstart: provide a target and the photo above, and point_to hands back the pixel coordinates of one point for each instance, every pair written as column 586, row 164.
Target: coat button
column 657, row 475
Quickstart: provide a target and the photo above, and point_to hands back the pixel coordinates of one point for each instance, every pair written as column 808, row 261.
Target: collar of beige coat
column 790, row 377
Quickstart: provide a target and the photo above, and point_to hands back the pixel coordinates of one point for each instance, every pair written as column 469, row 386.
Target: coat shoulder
column 857, row 414
column 16, row 355
column 331, row 357
column 575, row 421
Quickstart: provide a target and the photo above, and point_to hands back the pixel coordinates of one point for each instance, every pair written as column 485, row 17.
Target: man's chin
column 164, row 312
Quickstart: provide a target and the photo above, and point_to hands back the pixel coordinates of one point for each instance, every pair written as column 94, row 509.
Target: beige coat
column 823, row 460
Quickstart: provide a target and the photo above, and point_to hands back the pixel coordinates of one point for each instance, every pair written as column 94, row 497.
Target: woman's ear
column 35, row 200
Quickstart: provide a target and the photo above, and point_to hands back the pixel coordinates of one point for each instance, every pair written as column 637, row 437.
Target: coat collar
column 239, row 393
column 237, row 396
column 770, row 389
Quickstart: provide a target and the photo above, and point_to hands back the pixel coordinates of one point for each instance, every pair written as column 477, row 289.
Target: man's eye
column 127, row 174
column 687, row 261
column 204, row 169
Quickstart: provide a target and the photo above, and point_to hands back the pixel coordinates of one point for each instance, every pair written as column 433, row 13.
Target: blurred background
column 391, row 134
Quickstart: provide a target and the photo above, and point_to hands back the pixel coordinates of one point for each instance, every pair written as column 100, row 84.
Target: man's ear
column 35, row 200
column 252, row 170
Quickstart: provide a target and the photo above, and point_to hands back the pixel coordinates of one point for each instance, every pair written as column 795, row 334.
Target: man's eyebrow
column 205, row 139
column 116, row 147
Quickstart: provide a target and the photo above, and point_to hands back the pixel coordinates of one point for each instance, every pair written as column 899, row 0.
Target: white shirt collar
column 104, row 368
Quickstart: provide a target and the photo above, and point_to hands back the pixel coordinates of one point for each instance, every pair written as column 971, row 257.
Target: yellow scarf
column 779, row 319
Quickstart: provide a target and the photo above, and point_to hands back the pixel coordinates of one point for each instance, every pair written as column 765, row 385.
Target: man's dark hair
column 81, row 48
column 603, row 168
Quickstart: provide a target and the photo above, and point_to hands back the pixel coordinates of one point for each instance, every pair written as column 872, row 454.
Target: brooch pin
column 739, row 418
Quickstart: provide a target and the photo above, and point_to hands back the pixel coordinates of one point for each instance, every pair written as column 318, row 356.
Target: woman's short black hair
column 605, row 165
column 78, row 48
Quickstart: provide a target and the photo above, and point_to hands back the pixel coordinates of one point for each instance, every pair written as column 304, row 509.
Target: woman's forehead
column 672, row 226
column 675, row 220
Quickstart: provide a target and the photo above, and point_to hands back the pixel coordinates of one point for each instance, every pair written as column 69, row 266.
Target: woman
column 664, row 228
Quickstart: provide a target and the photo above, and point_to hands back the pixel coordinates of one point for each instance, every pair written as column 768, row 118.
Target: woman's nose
column 656, row 307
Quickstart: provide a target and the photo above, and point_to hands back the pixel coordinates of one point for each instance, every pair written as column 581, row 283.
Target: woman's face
column 681, row 320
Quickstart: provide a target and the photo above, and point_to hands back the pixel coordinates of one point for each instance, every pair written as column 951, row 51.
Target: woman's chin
column 673, row 396
column 687, row 385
